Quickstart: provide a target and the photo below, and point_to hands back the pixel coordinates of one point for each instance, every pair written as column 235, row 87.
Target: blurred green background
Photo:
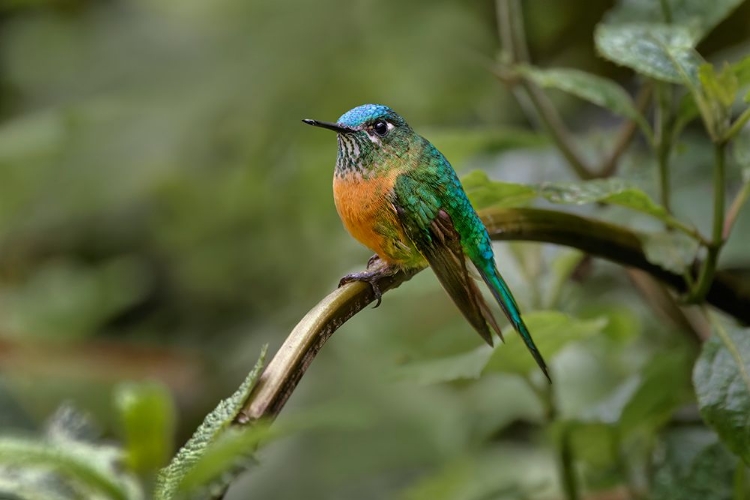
column 164, row 212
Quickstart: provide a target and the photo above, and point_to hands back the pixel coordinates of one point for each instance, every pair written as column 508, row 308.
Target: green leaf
column 691, row 464
column 148, row 419
column 741, row 70
column 722, row 384
column 485, row 193
column 223, row 459
column 717, row 94
column 212, row 428
column 67, row 458
column 623, row 325
column 647, row 399
column 609, row 410
column 552, row 330
column 595, row 444
column 592, row 88
column 87, row 467
column 614, row 191
column 697, row 15
column 670, row 250
column 506, row 473
column 232, row 452
column 660, row 51
column 719, row 87
column 468, row 365
column 563, row 266
column 663, row 387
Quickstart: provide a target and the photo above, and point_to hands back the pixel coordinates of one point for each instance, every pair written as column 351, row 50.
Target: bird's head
column 370, row 137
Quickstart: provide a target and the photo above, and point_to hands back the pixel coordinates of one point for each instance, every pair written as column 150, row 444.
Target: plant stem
column 717, row 234
column 662, row 140
column 666, row 11
column 511, row 30
column 739, row 481
column 734, row 209
column 505, row 29
column 674, row 223
column 519, row 32
column 567, row 465
column 554, row 125
column 737, row 125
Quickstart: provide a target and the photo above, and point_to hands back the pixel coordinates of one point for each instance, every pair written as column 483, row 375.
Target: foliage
column 161, row 217
column 212, row 435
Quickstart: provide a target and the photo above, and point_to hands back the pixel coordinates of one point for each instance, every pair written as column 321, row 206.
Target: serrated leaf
column 464, row 366
column 148, row 419
column 614, row 191
column 697, row 15
column 669, row 250
column 690, row 464
column 210, row 430
column 86, row 466
column 68, row 457
column 589, row 87
column 551, row 330
column 223, row 460
column 661, row 51
column 722, row 384
column 485, row 193
column 232, row 453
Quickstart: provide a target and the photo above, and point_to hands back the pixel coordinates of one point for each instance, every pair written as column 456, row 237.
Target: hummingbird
column 399, row 196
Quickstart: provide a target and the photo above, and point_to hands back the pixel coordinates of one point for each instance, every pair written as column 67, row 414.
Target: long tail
column 504, row 297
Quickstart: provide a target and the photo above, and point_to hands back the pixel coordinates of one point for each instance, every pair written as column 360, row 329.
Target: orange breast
column 366, row 211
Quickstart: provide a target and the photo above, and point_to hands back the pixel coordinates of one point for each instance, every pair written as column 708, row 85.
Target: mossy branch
column 597, row 238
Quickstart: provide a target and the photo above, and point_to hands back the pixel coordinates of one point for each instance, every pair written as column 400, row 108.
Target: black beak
column 329, row 126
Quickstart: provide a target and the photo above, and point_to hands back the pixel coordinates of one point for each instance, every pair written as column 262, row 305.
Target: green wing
column 433, row 233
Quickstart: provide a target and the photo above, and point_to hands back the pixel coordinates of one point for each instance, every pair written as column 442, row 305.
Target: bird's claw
column 370, row 278
column 372, row 260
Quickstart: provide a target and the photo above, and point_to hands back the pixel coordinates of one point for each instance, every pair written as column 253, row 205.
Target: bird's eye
column 380, row 127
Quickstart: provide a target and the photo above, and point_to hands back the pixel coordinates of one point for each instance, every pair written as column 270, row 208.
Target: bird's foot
column 371, row 276
column 375, row 259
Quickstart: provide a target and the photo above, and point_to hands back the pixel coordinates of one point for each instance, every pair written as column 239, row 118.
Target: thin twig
column 734, row 209
column 567, row 463
column 553, row 124
column 625, row 135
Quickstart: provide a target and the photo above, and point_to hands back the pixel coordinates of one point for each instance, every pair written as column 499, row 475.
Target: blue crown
column 366, row 113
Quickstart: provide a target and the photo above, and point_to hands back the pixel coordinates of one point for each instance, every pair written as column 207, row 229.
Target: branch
column 601, row 239
column 626, row 134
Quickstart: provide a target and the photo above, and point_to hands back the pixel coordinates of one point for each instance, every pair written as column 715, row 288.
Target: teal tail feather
column 507, row 303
